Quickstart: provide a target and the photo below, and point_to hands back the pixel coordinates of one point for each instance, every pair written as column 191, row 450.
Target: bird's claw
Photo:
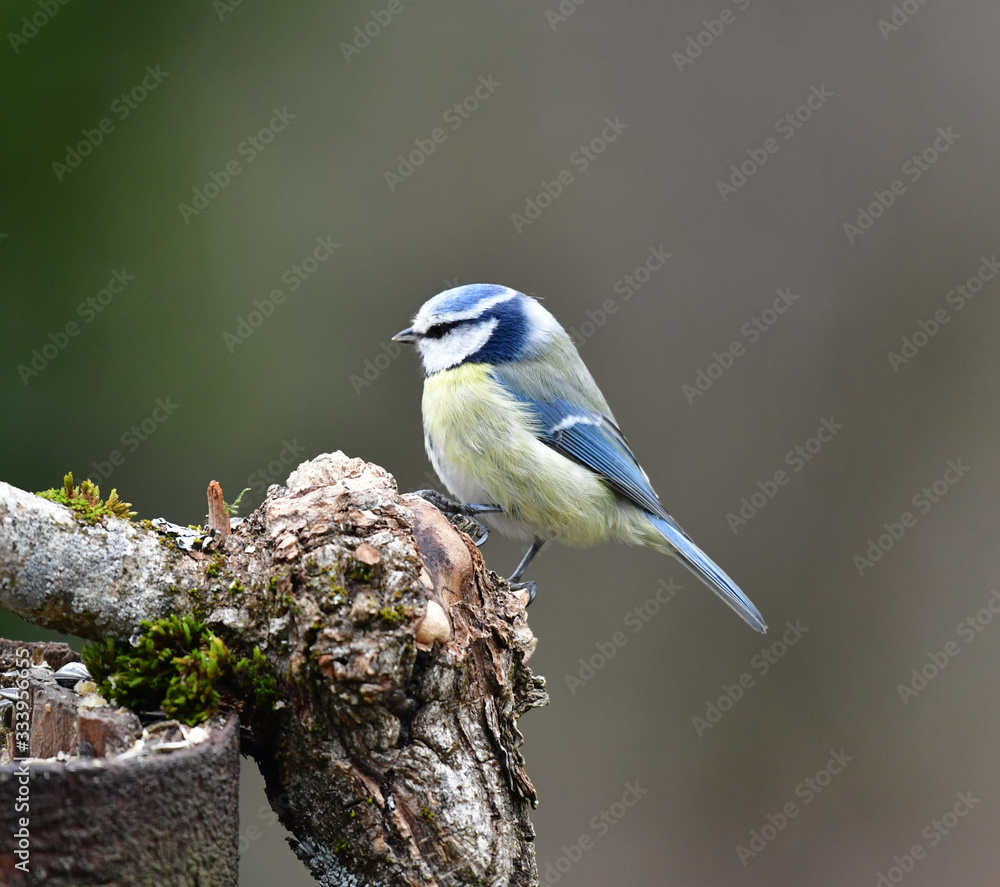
column 476, row 530
column 528, row 586
column 461, row 515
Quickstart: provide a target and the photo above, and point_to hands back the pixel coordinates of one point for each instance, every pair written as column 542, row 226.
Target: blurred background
column 216, row 215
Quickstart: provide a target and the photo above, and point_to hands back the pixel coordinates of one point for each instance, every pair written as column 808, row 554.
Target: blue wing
column 596, row 442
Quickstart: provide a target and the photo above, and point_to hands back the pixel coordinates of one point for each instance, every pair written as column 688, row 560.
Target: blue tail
column 705, row 569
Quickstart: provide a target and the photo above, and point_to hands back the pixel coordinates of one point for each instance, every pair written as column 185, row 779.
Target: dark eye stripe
column 439, row 329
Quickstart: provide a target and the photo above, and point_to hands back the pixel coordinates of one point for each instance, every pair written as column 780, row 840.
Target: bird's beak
column 406, row 335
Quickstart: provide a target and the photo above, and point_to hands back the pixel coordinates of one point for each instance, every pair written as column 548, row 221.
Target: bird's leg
column 515, row 578
column 529, row 556
column 460, row 514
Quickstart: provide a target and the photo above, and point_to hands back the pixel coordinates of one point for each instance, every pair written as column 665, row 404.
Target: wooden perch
column 392, row 755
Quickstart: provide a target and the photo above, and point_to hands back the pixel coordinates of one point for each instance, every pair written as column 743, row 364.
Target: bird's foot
column 528, row 586
column 450, row 506
column 461, row 514
column 474, row 529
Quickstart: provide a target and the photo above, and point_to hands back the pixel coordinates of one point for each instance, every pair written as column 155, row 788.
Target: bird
column 518, row 431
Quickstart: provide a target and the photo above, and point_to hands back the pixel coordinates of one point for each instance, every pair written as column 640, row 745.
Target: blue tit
column 515, row 423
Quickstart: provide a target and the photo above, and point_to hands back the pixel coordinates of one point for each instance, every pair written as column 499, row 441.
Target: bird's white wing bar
column 596, row 443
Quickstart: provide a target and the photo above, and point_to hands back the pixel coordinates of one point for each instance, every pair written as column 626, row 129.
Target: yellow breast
column 483, row 443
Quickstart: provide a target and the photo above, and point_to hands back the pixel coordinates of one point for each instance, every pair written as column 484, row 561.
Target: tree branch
column 400, row 662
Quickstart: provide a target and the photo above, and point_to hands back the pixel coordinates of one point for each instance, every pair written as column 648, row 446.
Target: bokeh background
column 691, row 89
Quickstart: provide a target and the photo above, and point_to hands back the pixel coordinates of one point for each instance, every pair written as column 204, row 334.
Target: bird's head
column 478, row 323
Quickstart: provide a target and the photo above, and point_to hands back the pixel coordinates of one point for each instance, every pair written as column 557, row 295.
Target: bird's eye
column 439, row 329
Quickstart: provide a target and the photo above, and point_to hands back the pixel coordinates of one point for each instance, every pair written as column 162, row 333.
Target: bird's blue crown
column 479, row 323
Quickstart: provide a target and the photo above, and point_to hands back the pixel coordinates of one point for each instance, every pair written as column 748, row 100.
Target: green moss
column 85, row 500
column 342, row 847
column 181, row 667
column 234, row 509
column 427, row 813
column 326, row 583
column 360, row 572
column 217, row 565
column 256, row 684
column 393, row 615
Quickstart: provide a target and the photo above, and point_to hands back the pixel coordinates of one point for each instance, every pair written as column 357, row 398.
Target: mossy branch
column 378, row 663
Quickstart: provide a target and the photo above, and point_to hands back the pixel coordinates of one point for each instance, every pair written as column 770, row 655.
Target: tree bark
column 392, row 755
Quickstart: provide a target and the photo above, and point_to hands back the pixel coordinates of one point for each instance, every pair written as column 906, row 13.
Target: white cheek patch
column 454, row 347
